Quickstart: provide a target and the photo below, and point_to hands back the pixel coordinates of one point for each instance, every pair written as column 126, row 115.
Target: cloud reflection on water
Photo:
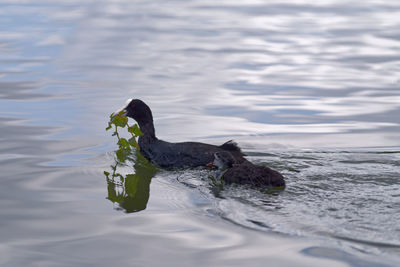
column 228, row 68
column 325, row 65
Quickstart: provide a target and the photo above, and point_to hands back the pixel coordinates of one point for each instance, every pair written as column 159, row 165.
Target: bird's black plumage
column 245, row 172
column 173, row 155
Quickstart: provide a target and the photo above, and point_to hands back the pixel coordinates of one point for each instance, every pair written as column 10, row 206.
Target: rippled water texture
column 308, row 88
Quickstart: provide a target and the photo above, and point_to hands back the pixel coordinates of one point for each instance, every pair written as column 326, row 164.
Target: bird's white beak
column 123, row 109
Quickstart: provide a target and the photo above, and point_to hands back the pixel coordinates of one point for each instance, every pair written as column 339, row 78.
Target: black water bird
column 173, row 155
column 245, row 172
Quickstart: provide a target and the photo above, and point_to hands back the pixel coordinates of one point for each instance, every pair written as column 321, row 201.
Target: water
column 309, row 89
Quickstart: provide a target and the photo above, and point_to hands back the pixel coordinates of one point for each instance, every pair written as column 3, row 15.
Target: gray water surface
column 309, row 89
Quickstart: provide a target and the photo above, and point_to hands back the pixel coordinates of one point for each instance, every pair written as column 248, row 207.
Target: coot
column 173, row 155
column 245, row 172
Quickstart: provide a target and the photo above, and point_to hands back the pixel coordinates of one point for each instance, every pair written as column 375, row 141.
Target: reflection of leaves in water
column 131, row 191
column 216, row 184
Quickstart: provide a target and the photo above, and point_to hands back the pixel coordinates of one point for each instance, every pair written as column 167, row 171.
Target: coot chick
column 173, row 155
column 245, row 172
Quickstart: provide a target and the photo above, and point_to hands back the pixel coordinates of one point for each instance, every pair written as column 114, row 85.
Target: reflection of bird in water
column 245, row 172
column 173, row 155
column 134, row 188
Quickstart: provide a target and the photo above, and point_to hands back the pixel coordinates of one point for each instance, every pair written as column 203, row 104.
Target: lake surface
column 309, row 89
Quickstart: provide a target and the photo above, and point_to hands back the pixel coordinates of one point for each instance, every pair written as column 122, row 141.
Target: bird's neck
column 149, row 134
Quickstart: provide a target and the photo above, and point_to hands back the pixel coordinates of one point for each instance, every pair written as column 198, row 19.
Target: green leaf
column 109, row 127
column 121, row 156
column 120, row 120
column 132, row 142
column 123, row 143
column 106, row 174
column 136, row 130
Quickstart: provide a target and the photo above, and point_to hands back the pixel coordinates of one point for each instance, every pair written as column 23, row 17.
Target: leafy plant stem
column 116, row 132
